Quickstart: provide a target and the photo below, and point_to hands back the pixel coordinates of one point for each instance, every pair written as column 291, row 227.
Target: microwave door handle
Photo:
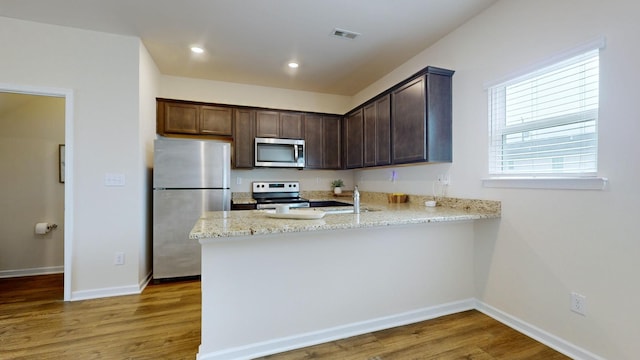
column 295, row 152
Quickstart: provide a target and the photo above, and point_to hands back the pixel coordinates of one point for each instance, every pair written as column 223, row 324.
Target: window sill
column 572, row 183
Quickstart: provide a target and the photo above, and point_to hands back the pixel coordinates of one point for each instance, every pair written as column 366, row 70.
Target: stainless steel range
column 268, row 194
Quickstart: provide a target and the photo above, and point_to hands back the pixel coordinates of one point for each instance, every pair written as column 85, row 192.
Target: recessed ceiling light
column 293, row 65
column 197, row 49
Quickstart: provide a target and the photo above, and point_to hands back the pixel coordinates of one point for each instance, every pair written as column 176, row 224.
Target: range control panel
column 275, row 187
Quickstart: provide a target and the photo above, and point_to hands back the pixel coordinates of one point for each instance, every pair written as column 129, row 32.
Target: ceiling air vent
column 344, row 34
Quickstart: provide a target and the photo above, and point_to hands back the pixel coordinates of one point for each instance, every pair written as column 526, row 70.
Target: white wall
column 549, row 242
column 288, row 290
column 102, row 71
column 173, row 87
column 31, row 191
column 149, row 87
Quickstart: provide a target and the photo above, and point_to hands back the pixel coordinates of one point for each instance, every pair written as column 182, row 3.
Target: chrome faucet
column 356, row 201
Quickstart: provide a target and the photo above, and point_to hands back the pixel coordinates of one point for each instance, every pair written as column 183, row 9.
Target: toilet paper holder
column 43, row 228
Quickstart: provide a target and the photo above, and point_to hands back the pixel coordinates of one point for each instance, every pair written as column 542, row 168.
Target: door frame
column 67, row 94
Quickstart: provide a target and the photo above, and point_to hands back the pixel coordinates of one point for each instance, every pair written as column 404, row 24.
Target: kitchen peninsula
column 271, row 285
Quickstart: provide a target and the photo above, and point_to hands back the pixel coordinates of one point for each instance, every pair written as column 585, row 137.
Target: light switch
column 113, row 179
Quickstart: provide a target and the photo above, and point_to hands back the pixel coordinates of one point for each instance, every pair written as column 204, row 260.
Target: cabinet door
column 369, row 143
column 331, row 143
column 409, row 122
column 291, row 126
column 181, row 118
column 216, row 120
column 383, row 130
column 313, row 136
column 267, row 123
column 377, row 132
column 243, row 136
column 353, row 139
column 439, row 118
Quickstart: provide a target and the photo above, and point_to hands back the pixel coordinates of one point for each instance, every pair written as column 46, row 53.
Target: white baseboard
column 113, row 291
column 143, row 284
column 32, row 272
column 340, row 332
column 536, row 333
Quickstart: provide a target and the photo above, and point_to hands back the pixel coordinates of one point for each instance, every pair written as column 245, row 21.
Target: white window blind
column 545, row 123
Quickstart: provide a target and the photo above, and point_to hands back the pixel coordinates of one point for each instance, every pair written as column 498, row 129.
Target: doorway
column 59, row 164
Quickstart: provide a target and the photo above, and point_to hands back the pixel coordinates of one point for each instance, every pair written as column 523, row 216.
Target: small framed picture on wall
column 61, row 163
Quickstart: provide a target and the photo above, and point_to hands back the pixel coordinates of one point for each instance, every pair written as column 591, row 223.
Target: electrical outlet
column 119, row 258
column 238, row 180
column 114, row 179
column 443, row 179
column 578, row 303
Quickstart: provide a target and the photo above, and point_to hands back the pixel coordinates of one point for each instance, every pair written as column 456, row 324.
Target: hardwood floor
column 469, row 335
column 164, row 323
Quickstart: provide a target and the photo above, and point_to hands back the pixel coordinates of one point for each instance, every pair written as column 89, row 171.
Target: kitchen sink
column 348, row 210
column 328, row 203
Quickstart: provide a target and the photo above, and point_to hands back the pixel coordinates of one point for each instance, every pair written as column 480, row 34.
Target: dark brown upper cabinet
column 377, row 132
column 291, row 125
column 176, row 117
column 332, row 142
column 421, row 120
column 243, row 135
column 216, row 120
column 353, row 138
column 409, row 123
column 267, row 123
column 322, row 140
column 277, row 124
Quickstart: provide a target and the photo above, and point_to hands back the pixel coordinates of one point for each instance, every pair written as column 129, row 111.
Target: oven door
column 270, row 152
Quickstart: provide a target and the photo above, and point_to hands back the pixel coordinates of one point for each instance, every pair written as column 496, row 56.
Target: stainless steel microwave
column 272, row 152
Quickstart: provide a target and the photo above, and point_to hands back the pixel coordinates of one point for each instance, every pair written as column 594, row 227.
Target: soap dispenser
column 356, row 201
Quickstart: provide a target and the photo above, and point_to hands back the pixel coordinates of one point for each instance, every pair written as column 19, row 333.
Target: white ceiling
column 251, row 41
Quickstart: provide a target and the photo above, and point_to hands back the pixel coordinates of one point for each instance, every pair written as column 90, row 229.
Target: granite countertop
column 375, row 212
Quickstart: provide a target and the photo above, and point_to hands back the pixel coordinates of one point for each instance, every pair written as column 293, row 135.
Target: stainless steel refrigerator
column 189, row 178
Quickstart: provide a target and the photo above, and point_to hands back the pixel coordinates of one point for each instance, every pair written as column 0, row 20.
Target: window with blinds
column 545, row 123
